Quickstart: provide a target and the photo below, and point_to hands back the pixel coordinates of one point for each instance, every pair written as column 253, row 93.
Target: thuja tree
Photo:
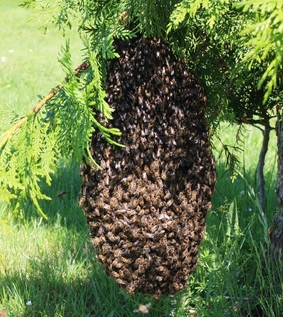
column 219, row 54
column 234, row 86
column 263, row 40
column 252, row 73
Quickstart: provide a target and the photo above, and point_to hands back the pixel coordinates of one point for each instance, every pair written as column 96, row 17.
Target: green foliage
column 150, row 16
column 210, row 48
column 227, row 59
column 63, row 127
column 226, row 56
column 20, row 174
column 220, row 52
column 263, row 39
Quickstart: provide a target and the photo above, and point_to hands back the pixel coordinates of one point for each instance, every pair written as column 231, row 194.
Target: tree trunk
column 261, row 161
column 276, row 233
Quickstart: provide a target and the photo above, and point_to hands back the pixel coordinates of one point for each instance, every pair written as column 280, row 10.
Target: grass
column 49, row 268
column 28, row 57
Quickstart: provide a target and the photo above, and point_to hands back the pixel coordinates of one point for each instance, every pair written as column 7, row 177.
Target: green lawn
column 28, row 56
column 48, row 268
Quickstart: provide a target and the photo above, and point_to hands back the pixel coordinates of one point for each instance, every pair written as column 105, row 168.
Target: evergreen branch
column 60, row 125
column 41, row 104
column 106, row 133
column 12, row 130
column 43, row 101
column 231, row 154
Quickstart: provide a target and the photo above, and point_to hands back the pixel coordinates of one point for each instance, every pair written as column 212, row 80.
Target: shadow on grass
column 244, row 188
column 90, row 293
column 51, row 295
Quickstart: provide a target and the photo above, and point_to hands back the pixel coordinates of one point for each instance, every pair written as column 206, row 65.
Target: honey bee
column 106, row 207
column 141, row 203
column 149, row 235
column 95, row 241
column 130, row 289
column 135, row 234
column 135, row 275
column 126, row 196
column 142, row 189
column 162, row 269
column 131, row 212
column 139, row 261
column 169, row 202
column 120, row 281
column 163, row 175
column 155, row 203
column 114, row 203
column 163, row 216
column 132, row 187
column 112, row 237
column 106, row 181
column 117, row 263
column 107, row 226
column 102, row 258
column 144, row 309
column 125, row 260
column 176, row 286
column 100, row 231
column 126, row 246
column 61, row 194
column 160, row 183
column 106, row 152
column 115, row 274
column 125, row 273
column 105, row 248
column 100, row 202
column 119, row 193
column 96, row 212
column 117, row 253
column 144, row 175
column 147, row 197
column 103, row 164
column 168, row 195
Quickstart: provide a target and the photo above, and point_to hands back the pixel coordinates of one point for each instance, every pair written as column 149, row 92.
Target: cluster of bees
column 146, row 209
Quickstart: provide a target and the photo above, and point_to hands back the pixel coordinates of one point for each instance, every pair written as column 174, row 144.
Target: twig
column 12, row 130
column 40, row 105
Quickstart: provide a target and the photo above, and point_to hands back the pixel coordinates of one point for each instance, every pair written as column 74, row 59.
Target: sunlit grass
column 28, row 56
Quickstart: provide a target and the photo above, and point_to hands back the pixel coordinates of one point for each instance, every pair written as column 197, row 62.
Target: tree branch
column 41, row 104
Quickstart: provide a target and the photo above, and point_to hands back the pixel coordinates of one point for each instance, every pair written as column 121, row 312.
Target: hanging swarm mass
column 146, row 209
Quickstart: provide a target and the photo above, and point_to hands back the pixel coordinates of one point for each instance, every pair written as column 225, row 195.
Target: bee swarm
column 146, row 209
